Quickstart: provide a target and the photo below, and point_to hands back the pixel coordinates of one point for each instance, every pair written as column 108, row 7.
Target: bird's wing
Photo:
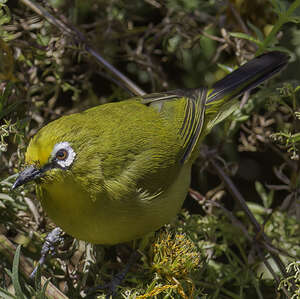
column 164, row 143
column 205, row 108
column 194, row 112
column 189, row 114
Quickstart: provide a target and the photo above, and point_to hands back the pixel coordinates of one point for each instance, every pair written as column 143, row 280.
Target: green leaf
column 257, row 31
column 278, row 6
column 246, row 36
column 43, row 290
column 296, row 137
column 5, row 294
column 15, row 275
column 43, row 40
column 40, row 291
column 295, row 19
column 267, row 198
column 225, row 68
column 284, row 16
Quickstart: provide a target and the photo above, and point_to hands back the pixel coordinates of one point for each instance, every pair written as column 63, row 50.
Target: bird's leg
column 117, row 279
column 51, row 241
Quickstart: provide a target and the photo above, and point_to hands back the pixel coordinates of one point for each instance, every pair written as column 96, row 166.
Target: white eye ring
column 69, row 157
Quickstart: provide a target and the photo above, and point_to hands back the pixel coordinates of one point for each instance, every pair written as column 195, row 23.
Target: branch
column 77, row 36
column 240, row 199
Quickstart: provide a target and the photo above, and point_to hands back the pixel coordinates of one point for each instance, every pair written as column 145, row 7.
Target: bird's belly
column 107, row 221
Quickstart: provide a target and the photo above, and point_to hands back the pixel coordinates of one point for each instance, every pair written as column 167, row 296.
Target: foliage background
column 160, row 45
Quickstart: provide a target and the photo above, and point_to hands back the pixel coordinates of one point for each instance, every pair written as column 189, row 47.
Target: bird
column 118, row 171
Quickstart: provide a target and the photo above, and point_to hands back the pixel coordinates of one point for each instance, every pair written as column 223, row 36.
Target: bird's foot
column 50, row 243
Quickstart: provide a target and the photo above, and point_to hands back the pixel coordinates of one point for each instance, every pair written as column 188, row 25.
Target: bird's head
column 49, row 154
column 64, row 147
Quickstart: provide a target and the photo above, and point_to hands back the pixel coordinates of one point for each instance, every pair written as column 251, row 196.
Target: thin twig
column 238, row 18
column 240, row 199
column 79, row 37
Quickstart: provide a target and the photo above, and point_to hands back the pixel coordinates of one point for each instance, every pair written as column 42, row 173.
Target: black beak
column 30, row 173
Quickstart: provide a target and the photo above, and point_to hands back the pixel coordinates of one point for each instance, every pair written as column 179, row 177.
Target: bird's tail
column 219, row 102
column 248, row 76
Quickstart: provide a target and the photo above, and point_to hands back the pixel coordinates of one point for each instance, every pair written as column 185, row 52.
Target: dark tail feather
column 249, row 75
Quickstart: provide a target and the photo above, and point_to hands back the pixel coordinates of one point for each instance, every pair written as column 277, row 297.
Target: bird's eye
column 62, row 154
